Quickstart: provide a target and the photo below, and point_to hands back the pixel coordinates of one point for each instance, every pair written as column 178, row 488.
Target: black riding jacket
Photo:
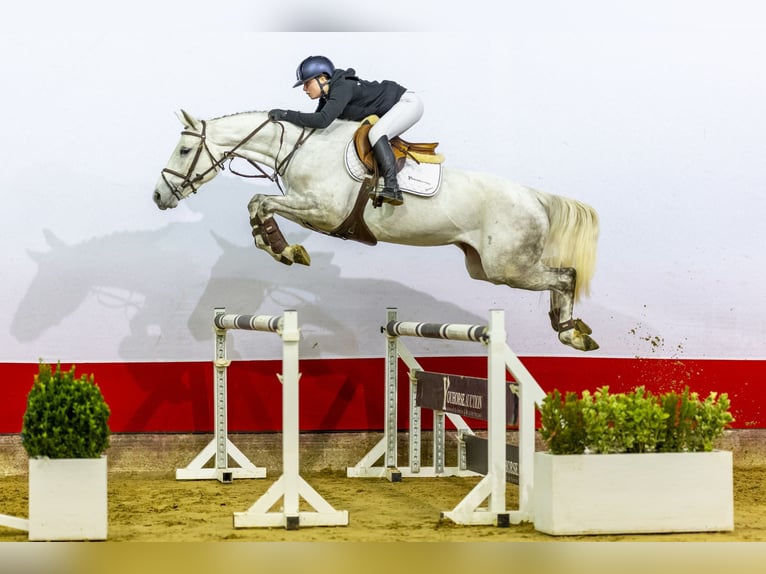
column 349, row 98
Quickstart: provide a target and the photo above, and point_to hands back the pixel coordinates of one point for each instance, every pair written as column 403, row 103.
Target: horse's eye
column 185, row 150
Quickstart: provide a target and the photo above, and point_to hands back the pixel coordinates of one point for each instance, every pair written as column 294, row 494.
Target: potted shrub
column 633, row 462
column 65, row 433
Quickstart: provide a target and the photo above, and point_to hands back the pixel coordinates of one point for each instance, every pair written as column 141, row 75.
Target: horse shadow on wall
column 159, row 281
column 335, row 312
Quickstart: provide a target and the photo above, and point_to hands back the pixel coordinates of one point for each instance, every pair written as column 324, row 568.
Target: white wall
column 650, row 111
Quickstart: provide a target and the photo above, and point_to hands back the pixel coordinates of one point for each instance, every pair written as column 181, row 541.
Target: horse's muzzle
column 159, row 201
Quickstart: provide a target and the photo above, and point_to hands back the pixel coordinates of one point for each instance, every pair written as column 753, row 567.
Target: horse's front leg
column 268, row 236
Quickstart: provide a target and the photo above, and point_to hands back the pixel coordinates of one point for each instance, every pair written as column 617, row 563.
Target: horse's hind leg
column 268, row 236
column 573, row 332
column 557, row 303
column 538, row 277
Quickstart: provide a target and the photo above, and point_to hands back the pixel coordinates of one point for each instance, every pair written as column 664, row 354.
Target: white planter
column 633, row 493
column 67, row 499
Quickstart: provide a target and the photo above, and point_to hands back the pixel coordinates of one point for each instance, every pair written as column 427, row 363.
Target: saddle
column 354, row 226
column 419, row 152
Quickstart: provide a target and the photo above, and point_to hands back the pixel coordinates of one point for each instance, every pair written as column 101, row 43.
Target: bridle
column 190, row 180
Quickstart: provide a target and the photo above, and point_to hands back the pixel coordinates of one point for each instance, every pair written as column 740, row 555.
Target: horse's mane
column 263, row 112
column 238, row 114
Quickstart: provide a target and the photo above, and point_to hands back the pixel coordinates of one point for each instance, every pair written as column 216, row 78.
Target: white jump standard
column 492, row 486
column 290, row 486
column 221, row 446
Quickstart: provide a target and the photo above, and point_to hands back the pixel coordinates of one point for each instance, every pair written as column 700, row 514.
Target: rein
column 189, row 180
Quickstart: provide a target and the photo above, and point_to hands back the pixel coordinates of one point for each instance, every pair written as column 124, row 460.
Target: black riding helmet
column 313, row 67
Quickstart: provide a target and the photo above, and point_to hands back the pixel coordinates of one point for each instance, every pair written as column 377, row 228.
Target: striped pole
column 269, row 323
column 452, row 331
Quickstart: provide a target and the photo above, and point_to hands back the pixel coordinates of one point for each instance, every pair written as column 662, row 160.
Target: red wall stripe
column 347, row 394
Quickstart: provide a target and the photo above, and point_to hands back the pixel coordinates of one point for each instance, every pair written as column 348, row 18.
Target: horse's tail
column 572, row 238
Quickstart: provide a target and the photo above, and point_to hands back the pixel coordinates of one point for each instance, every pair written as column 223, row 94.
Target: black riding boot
column 387, row 164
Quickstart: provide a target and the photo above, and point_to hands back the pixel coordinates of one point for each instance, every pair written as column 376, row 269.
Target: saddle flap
column 363, row 147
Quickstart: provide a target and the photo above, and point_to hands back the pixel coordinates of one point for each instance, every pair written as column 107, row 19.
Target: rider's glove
column 277, row 115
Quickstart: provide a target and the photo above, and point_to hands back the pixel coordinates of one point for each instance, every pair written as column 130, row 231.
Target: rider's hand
column 277, row 115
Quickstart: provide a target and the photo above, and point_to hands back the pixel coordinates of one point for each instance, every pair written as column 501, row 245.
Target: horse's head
column 191, row 165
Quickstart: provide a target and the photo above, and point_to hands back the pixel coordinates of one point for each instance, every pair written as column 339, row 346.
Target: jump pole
column 290, row 486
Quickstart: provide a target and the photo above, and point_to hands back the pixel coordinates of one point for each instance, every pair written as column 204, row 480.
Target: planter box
column 67, row 499
column 633, row 493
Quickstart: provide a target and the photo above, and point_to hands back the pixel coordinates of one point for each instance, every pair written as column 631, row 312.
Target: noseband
column 190, row 180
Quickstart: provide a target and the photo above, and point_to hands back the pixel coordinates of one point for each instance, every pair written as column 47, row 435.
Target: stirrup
column 390, row 195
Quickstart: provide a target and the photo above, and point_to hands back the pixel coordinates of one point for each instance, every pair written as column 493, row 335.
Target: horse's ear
column 53, row 242
column 188, row 120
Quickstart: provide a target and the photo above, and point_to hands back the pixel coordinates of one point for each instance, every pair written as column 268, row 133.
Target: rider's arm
column 327, row 111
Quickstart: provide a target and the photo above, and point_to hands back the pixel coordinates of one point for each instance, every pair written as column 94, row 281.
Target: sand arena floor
column 147, row 503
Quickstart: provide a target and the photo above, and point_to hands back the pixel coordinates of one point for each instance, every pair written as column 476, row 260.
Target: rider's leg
column 403, row 115
column 384, row 155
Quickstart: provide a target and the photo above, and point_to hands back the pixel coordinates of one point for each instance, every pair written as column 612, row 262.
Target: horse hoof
column 578, row 340
column 581, row 326
column 300, row 255
column 588, row 343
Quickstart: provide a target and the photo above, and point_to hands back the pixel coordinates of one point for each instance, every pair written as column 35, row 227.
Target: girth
column 354, row 226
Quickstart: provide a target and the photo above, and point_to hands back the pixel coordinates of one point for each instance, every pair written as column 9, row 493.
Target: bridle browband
column 190, row 180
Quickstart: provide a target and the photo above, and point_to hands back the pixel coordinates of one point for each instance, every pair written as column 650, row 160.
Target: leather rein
column 190, row 180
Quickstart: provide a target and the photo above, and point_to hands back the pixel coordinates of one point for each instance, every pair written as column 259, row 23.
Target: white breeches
column 403, row 115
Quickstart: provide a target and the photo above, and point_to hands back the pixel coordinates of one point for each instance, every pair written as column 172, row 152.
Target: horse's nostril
column 157, row 197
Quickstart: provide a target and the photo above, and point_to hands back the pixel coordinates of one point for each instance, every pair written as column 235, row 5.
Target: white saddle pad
column 421, row 179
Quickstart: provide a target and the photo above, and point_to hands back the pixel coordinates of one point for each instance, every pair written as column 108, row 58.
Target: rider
column 343, row 95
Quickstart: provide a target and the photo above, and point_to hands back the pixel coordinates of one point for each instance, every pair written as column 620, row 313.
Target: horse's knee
column 257, row 208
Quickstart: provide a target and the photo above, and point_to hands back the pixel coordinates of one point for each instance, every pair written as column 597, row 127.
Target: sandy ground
column 153, row 506
column 393, row 527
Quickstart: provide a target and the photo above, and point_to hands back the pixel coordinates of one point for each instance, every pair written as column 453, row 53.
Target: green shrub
column 562, row 423
column 638, row 421
column 693, row 424
column 66, row 417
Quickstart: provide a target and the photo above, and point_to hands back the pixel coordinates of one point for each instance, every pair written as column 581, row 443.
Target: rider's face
column 313, row 88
